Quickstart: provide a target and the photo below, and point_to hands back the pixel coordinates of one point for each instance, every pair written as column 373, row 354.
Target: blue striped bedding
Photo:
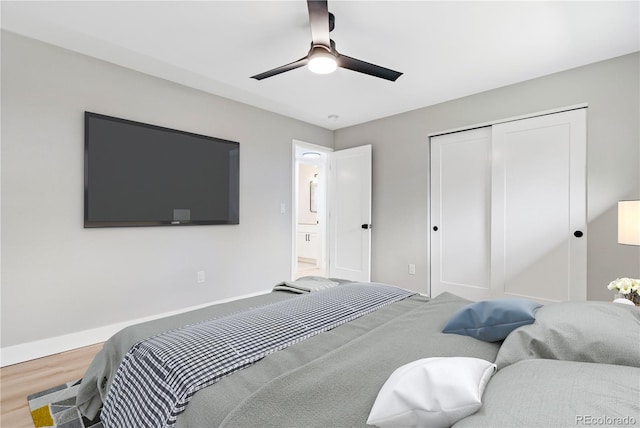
column 159, row 375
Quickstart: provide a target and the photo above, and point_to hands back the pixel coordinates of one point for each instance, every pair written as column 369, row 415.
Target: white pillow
column 431, row 392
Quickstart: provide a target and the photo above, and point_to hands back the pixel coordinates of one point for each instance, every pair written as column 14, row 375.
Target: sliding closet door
column 460, row 213
column 538, row 207
column 508, row 210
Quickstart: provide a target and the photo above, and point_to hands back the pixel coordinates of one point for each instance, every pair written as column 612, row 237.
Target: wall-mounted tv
column 137, row 174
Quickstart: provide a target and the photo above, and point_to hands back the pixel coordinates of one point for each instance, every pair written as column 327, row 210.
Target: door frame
column 297, row 147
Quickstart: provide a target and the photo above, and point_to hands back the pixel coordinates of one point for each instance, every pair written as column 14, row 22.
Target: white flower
column 625, row 288
column 625, row 285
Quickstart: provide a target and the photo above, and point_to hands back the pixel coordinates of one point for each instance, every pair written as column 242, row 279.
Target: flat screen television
column 137, row 174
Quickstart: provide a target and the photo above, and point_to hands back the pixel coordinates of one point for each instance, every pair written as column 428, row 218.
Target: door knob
column 366, row 226
column 435, row 228
column 578, row 234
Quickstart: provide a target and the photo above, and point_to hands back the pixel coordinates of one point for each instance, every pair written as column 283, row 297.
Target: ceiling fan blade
column 283, row 68
column 367, row 68
column 319, row 21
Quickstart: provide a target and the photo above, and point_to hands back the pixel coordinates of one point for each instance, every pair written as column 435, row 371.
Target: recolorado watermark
column 590, row 420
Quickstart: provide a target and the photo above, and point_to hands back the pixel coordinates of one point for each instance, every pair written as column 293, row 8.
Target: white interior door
column 461, row 214
column 539, row 241
column 350, row 214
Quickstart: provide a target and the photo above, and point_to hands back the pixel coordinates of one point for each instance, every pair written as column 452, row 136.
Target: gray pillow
column 596, row 332
column 551, row 393
column 308, row 284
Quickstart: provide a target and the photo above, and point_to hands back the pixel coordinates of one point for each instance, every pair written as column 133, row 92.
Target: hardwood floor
column 20, row 380
column 305, row 269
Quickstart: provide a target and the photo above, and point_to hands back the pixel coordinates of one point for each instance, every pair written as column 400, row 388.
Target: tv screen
column 137, row 174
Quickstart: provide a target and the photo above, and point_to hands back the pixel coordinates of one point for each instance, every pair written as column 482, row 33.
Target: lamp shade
column 629, row 222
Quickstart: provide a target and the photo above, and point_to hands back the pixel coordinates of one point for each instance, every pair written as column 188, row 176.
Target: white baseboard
column 41, row 348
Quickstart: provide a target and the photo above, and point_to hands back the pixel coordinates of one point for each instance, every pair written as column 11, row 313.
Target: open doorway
column 310, row 210
column 338, row 182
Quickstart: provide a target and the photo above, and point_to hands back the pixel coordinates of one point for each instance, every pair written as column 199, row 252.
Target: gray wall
column 59, row 278
column 401, row 159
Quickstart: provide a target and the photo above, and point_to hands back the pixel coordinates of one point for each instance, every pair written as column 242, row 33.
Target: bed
column 574, row 364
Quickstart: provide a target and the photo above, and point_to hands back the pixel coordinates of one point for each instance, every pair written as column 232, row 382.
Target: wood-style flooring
column 306, row 269
column 20, row 380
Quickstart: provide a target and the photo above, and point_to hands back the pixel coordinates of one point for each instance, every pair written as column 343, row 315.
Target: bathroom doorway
column 310, row 210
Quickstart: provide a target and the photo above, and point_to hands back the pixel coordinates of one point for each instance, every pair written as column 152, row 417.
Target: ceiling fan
column 323, row 57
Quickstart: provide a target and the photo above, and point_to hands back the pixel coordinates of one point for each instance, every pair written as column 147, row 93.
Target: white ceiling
column 446, row 49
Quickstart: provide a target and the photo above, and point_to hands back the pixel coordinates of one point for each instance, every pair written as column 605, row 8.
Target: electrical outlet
column 412, row 269
column 200, row 277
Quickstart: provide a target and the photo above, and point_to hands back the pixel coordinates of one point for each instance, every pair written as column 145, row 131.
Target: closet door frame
column 577, row 290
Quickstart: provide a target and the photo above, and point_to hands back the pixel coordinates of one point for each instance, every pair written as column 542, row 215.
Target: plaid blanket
column 159, row 375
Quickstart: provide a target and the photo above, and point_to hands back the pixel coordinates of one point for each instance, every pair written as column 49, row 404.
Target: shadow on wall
column 603, row 267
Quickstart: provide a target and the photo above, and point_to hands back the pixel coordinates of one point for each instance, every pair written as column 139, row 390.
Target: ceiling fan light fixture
column 311, row 155
column 322, row 60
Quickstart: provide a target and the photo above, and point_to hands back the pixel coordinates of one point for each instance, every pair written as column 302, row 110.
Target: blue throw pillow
column 492, row 320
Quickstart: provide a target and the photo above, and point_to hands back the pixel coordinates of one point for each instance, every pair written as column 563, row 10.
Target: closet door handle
column 578, row 234
column 435, row 228
column 366, row 226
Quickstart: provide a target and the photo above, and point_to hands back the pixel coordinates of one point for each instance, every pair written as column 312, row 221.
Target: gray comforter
column 330, row 380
